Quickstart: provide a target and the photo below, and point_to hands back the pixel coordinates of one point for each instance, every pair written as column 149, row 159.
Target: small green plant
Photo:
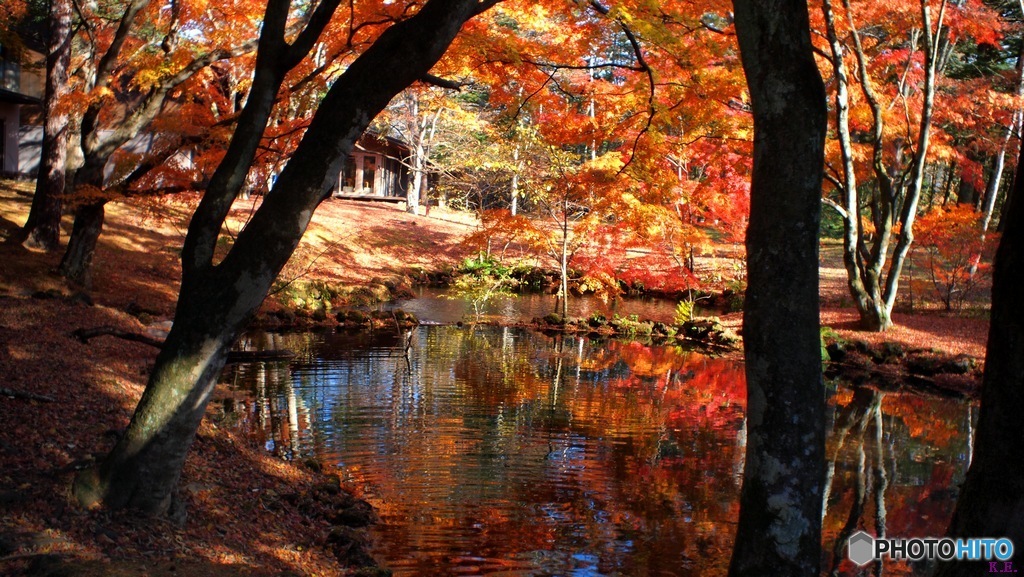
column 828, row 336
column 485, row 266
column 632, row 326
column 684, row 312
column 479, row 290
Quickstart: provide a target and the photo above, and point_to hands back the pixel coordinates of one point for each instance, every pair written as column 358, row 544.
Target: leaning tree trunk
column 42, row 229
column 216, row 301
column 76, row 265
column 991, row 502
column 779, row 532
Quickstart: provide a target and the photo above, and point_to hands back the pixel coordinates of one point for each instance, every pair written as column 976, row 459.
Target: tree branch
column 455, row 85
column 829, row 202
column 4, row 391
column 109, row 59
column 311, row 33
column 642, row 66
column 84, row 335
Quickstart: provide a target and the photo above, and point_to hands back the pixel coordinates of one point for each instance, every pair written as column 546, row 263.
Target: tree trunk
column 514, row 202
column 217, row 301
column 76, row 265
column 143, row 469
column 991, row 502
column 42, row 229
column 992, row 190
column 779, row 532
column 412, row 197
column 967, row 192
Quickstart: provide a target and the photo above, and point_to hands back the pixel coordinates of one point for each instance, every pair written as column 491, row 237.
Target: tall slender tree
column 779, row 531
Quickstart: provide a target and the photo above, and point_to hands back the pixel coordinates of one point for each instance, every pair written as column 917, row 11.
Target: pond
column 503, row 451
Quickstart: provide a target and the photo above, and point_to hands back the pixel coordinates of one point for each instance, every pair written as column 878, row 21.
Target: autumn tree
column 134, row 62
column 952, row 244
column 653, row 87
column 447, row 132
column 779, row 530
column 42, row 228
column 884, row 113
column 217, row 299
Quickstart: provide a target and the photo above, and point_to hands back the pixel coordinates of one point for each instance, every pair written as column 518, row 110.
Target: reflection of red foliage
column 700, row 390
column 920, row 416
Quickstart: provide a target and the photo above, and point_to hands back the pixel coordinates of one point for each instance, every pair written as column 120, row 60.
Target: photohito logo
column 863, row 548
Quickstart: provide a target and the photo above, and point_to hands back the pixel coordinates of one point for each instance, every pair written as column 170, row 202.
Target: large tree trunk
column 143, row 469
column 42, row 229
column 991, row 502
column 217, row 301
column 779, row 532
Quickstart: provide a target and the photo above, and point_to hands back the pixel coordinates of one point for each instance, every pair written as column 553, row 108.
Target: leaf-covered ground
column 63, row 402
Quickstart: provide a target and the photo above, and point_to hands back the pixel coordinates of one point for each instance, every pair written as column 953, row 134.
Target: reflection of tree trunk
column 881, row 477
column 860, row 495
column 864, row 410
column 850, row 417
column 556, row 381
column 293, row 419
column 970, row 435
column 262, row 403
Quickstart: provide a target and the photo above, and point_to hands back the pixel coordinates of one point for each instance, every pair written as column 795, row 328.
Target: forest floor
column 63, row 402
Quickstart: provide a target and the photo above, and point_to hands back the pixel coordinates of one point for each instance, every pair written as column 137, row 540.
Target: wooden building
column 377, row 169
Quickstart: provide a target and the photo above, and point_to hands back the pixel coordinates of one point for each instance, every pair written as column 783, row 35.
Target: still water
column 502, row 451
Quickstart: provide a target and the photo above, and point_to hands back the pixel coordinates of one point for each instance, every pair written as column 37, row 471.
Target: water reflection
column 895, row 461
column 502, row 451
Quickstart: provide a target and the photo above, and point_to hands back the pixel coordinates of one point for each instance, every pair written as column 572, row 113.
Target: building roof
column 11, row 97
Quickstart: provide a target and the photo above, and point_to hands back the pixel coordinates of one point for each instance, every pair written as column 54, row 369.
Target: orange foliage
column 956, row 252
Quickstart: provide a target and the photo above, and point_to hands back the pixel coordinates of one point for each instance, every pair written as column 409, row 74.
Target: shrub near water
column 482, row 280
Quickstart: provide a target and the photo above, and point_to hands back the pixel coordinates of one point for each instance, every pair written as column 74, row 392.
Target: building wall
column 29, row 147
column 9, row 122
column 33, row 76
column 27, row 80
